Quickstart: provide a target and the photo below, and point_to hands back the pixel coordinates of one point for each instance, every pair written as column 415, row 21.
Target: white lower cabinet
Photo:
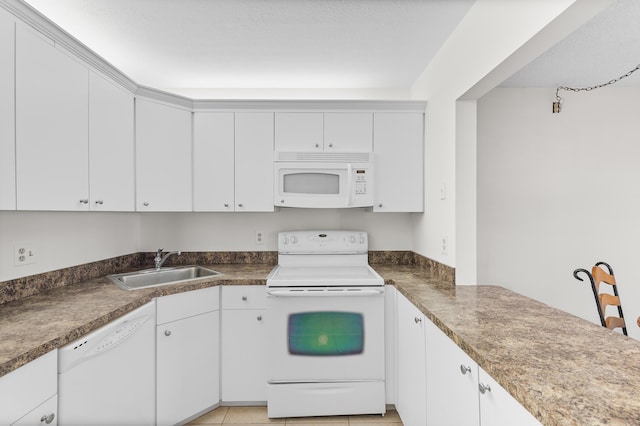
column 452, row 382
column 44, row 414
column 498, row 407
column 411, row 364
column 28, row 395
column 243, row 339
column 187, row 351
column 440, row 385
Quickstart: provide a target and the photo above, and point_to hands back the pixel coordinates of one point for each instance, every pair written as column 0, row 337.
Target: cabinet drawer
column 244, row 297
column 187, row 304
column 29, row 386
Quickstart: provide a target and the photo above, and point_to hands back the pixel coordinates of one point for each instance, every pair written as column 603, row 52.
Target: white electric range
column 325, row 327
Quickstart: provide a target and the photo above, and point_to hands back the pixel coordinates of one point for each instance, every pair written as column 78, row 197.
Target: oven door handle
column 325, row 293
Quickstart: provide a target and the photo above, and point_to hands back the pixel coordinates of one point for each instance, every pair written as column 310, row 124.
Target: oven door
column 325, row 334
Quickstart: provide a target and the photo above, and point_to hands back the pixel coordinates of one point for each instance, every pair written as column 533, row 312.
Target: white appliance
column 323, row 179
column 108, row 376
column 325, row 327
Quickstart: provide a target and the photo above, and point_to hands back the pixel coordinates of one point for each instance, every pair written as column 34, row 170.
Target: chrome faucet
column 160, row 259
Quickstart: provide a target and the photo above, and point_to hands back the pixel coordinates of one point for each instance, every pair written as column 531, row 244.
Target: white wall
column 492, row 32
column 236, row 231
column 63, row 239
column 558, row 192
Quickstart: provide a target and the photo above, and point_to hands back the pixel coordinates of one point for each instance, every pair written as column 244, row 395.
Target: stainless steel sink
column 163, row 276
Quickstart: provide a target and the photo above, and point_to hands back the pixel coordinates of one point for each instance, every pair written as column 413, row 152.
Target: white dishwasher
column 108, row 376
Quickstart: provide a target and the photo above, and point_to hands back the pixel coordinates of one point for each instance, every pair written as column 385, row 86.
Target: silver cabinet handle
column 484, row 388
column 330, row 145
column 226, row 204
column 380, row 205
column 417, row 320
column 99, row 202
column 146, row 204
column 244, row 298
column 47, row 418
column 259, row 317
column 464, row 369
column 317, row 145
column 84, row 201
column 167, row 333
column 239, row 204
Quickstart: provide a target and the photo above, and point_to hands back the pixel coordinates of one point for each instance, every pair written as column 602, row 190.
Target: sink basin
column 164, row 276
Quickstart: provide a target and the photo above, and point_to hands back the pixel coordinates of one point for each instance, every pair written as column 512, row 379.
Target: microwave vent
column 329, row 157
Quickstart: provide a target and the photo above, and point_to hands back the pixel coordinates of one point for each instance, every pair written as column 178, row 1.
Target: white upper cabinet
column 399, row 158
column 254, row 161
column 213, row 161
column 328, row 132
column 348, row 131
column 51, row 126
column 299, row 131
column 163, row 157
column 7, row 115
column 111, row 163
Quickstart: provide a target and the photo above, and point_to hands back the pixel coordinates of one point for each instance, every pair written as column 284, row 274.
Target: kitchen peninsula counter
column 564, row 370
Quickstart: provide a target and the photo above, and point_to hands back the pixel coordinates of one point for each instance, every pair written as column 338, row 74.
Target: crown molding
column 310, row 105
column 164, row 97
column 33, row 18
column 30, row 16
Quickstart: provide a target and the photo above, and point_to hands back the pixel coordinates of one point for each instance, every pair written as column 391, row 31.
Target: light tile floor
column 256, row 416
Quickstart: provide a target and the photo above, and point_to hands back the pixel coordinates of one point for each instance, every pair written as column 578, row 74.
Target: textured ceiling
column 604, row 48
column 262, row 43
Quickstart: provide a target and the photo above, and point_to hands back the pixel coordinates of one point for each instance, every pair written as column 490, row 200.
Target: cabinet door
column 498, row 408
column 28, row 387
column 254, row 162
column 7, row 115
column 187, row 367
column 299, row 131
column 452, row 382
column 44, row 414
column 213, row 162
column 348, row 131
column 398, row 147
column 51, row 126
column 243, row 368
column 412, row 389
column 163, row 157
column 111, row 164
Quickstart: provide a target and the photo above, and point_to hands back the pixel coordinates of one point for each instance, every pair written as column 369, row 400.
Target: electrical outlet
column 23, row 254
column 444, row 245
column 260, row 238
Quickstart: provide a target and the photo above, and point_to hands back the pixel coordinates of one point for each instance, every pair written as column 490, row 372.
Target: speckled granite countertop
column 564, row 370
column 32, row 326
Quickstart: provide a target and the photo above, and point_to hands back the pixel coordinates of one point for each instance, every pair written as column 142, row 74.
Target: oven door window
column 311, row 183
column 326, row 333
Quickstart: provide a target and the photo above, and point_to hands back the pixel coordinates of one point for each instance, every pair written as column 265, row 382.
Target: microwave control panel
column 360, row 182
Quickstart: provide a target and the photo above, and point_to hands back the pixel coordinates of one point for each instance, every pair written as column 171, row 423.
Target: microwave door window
column 311, row 183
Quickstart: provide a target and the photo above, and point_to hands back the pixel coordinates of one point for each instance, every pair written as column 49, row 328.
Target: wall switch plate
column 23, row 254
column 443, row 190
column 260, row 238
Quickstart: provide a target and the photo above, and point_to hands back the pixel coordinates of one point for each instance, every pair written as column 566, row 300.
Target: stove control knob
column 285, row 240
column 294, row 239
column 361, row 239
column 353, row 239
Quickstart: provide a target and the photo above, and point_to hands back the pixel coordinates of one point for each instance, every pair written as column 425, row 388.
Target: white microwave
column 323, row 179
